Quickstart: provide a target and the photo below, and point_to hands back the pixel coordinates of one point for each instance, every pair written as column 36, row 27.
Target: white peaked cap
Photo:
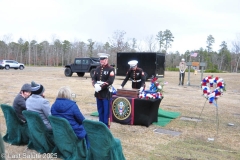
column 103, row 55
column 183, row 59
column 133, row 63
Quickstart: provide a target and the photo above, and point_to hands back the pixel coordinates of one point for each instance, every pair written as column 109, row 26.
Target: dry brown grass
column 141, row 142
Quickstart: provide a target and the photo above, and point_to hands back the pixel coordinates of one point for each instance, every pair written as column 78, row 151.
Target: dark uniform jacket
column 104, row 74
column 137, row 77
column 19, row 104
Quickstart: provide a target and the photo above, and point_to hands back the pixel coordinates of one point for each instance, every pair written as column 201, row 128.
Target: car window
column 85, row 61
column 78, row 61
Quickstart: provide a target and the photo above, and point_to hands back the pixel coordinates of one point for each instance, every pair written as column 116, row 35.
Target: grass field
column 140, row 142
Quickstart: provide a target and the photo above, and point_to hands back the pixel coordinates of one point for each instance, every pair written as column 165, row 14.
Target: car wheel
column 7, row 67
column 80, row 74
column 92, row 72
column 68, row 72
column 21, row 67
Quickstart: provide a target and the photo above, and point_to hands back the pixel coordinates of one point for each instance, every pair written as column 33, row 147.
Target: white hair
column 64, row 92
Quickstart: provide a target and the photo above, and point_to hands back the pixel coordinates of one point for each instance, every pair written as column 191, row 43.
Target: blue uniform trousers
column 103, row 109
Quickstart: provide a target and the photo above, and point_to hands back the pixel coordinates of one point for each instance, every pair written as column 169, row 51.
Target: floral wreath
column 155, row 90
column 209, row 91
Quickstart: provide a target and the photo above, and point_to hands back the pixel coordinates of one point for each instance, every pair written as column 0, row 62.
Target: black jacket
column 137, row 77
column 104, row 74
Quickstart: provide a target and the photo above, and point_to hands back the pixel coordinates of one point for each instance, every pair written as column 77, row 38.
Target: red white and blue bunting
column 155, row 90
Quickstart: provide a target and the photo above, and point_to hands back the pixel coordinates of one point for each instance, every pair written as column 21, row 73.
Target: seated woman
column 66, row 108
column 38, row 103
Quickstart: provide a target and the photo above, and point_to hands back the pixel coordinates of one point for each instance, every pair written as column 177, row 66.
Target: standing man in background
column 182, row 68
column 102, row 81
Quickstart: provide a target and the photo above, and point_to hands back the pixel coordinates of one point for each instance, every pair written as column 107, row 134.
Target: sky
column 190, row 21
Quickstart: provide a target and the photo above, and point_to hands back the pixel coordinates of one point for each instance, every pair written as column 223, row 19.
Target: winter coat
column 69, row 110
column 41, row 105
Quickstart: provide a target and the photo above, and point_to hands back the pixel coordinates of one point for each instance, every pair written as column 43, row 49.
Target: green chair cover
column 17, row 131
column 41, row 139
column 66, row 140
column 103, row 146
column 2, row 150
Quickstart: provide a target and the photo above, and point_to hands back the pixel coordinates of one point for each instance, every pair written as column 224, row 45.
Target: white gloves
column 141, row 89
column 120, row 87
column 97, row 87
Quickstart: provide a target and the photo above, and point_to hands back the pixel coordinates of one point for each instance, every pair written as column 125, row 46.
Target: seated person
column 37, row 103
column 66, row 108
column 19, row 103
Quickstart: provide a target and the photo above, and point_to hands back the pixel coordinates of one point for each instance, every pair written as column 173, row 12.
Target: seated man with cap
column 37, row 103
column 137, row 76
column 102, row 81
column 19, row 103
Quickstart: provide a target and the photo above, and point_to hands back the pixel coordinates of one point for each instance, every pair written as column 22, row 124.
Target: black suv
column 7, row 64
column 82, row 65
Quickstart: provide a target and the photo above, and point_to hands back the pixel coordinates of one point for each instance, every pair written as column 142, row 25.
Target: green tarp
column 164, row 117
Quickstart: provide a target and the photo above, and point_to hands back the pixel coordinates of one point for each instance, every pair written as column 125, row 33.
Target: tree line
column 60, row 53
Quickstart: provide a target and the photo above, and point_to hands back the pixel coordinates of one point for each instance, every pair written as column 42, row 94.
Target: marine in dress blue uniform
column 136, row 75
column 102, row 80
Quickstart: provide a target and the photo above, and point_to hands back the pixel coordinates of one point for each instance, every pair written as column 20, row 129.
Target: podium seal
column 121, row 108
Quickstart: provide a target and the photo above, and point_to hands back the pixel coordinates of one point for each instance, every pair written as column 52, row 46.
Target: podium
column 134, row 111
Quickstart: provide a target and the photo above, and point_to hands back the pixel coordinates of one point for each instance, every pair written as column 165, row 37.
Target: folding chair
column 102, row 143
column 41, row 139
column 17, row 131
column 2, row 148
column 68, row 144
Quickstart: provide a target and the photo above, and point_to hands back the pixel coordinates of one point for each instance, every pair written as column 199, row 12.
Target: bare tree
column 117, row 41
column 133, row 44
column 140, row 46
column 82, row 49
column 236, row 51
column 7, row 39
column 21, row 42
column 151, row 43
